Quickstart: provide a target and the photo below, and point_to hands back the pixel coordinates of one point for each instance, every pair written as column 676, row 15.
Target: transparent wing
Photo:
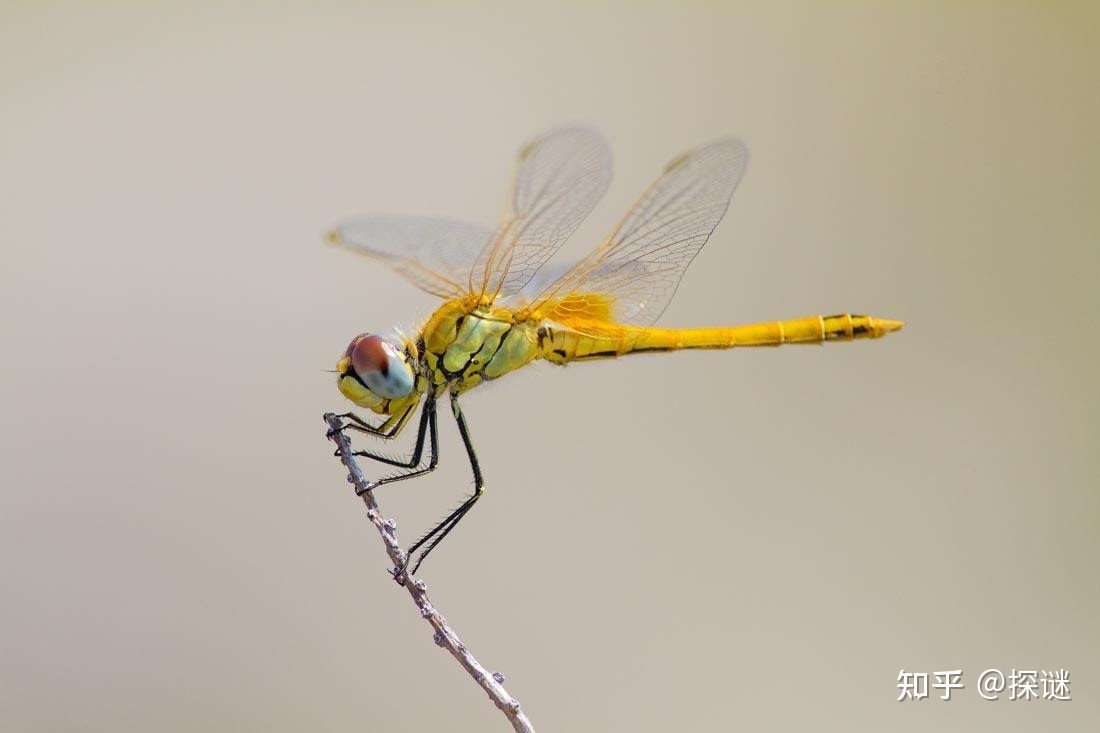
column 632, row 276
column 434, row 254
column 558, row 180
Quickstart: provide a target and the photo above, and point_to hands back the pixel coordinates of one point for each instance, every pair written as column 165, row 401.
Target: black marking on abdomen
column 641, row 349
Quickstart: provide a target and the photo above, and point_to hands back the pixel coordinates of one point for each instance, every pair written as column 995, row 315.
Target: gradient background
column 751, row 540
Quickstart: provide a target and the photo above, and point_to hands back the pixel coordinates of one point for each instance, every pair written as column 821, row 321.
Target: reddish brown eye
column 369, row 355
column 381, row 366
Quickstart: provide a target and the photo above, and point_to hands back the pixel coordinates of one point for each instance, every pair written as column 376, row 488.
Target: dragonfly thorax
column 466, row 343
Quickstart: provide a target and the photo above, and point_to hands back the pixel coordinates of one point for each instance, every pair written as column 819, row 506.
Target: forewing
column 433, row 254
column 633, row 275
column 558, row 180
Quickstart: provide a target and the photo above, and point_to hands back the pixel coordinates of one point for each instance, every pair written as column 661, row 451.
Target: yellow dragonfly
column 501, row 312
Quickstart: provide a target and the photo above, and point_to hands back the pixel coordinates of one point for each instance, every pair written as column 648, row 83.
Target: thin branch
column 491, row 682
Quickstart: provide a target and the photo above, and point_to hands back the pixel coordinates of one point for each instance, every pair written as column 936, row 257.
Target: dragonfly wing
column 632, row 276
column 558, row 180
column 434, row 254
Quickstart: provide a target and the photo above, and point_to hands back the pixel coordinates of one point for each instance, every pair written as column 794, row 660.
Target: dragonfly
column 502, row 312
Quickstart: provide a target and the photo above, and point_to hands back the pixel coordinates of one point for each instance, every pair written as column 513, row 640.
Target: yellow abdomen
column 596, row 340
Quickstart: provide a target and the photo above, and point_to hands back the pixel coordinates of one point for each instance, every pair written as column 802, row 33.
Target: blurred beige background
column 751, row 540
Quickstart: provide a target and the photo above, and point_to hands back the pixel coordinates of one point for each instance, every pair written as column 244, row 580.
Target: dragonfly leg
column 441, row 530
column 427, row 429
column 386, row 430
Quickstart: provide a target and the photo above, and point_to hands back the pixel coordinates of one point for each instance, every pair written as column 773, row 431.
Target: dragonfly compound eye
column 381, row 366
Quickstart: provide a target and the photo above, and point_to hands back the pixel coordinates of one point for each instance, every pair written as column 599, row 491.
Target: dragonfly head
column 374, row 371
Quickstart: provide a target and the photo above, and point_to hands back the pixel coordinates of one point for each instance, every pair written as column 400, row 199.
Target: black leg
column 441, row 530
column 427, row 428
column 388, row 429
column 465, row 432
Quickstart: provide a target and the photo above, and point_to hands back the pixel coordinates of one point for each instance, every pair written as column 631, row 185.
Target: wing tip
column 589, row 134
column 734, row 147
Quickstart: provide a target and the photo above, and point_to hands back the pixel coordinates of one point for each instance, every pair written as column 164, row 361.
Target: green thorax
column 466, row 343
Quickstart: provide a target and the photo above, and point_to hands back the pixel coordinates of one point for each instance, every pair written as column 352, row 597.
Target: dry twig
column 445, row 637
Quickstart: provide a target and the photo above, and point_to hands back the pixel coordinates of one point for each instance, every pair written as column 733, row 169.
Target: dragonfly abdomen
column 609, row 340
